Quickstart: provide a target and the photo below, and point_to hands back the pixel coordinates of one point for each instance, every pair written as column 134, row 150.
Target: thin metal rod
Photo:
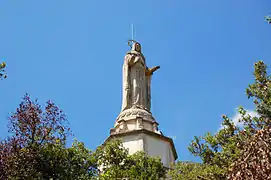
column 132, row 27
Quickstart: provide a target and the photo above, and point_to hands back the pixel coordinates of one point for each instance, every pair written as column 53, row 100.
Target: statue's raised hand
column 150, row 71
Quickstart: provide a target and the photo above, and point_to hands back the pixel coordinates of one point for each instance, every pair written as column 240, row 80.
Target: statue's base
column 138, row 131
column 153, row 144
column 135, row 119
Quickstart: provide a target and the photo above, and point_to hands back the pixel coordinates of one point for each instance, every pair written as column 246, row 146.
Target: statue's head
column 136, row 47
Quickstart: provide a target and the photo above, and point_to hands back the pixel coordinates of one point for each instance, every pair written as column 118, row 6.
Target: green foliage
column 37, row 147
column 254, row 159
column 193, row 171
column 76, row 162
column 37, row 150
column 115, row 163
column 217, row 151
column 2, row 70
column 145, row 167
column 260, row 92
column 52, row 161
column 230, row 144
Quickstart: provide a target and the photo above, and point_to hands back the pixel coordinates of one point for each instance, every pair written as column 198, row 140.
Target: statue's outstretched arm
column 150, row 71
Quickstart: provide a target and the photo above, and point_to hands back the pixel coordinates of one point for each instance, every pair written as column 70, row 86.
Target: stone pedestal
column 153, row 144
column 138, row 131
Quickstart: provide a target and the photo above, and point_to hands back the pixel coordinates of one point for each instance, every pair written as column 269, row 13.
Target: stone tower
column 135, row 125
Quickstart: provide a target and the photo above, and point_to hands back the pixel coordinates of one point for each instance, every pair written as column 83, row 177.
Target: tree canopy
column 236, row 152
column 37, row 149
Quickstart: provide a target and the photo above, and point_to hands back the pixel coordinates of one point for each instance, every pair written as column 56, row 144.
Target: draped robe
column 135, row 83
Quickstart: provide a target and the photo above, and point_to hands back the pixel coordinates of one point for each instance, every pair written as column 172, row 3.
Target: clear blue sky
column 72, row 52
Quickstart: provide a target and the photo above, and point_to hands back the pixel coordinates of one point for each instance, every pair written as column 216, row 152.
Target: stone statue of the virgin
column 136, row 80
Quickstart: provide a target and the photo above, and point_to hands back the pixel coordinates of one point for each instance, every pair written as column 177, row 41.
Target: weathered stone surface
column 136, row 80
column 153, row 144
column 136, row 112
column 135, row 124
column 136, row 99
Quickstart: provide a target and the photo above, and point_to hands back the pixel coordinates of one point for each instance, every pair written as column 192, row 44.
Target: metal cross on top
column 132, row 41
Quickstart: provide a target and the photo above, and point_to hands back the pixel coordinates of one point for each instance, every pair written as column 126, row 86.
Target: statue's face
column 137, row 47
